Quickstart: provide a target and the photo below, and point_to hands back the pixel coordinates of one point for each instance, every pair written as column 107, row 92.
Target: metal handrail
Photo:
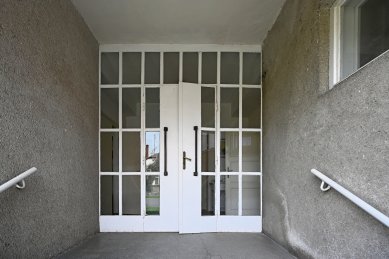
column 352, row 197
column 17, row 181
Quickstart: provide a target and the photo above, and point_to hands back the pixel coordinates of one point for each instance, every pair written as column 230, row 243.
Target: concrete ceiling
column 179, row 21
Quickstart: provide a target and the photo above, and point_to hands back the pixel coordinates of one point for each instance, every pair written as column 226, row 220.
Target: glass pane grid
column 240, row 130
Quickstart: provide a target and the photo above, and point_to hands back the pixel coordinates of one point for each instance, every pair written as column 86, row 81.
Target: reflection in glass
column 109, row 151
column 152, row 67
column 131, row 195
column 152, row 151
column 209, row 67
column 152, row 108
column 229, row 195
column 132, row 67
column 131, row 108
column 251, row 68
column 207, row 195
column 131, row 151
column 251, row 151
column 229, row 107
column 109, row 68
column 152, row 195
column 207, row 151
column 190, row 67
column 251, row 195
column 109, row 195
column 251, row 108
column 170, row 67
column 229, row 151
column 229, row 68
column 208, row 107
column 374, row 29
column 109, row 108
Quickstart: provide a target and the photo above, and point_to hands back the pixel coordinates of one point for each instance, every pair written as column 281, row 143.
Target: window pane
column 251, row 151
column 229, row 68
column 252, row 68
column 131, row 152
column 207, row 195
column 251, row 107
column 152, row 108
column 109, row 151
column 208, row 107
column 209, row 68
column 132, row 67
column 152, row 151
column 229, row 107
column 170, row 67
column 109, row 68
column 207, row 151
column 109, row 195
column 251, row 195
column 109, row 108
column 229, row 195
column 152, row 195
column 131, row 107
column 374, row 32
column 152, row 68
column 229, row 151
column 131, row 195
column 190, row 67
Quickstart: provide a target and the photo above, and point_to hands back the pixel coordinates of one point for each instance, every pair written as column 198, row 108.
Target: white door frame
column 136, row 223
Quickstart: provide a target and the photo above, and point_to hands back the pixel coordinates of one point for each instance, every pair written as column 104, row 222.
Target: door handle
column 195, row 128
column 165, row 173
column 184, row 158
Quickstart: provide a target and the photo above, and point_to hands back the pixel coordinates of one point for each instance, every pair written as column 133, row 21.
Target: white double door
column 191, row 198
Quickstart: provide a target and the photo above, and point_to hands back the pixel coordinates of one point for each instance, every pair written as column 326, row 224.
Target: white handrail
column 352, row 197
column 16, row 180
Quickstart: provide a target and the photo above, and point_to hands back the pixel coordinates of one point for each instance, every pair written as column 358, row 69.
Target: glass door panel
column 229, row 107
column 131, row 108
column 131, row 195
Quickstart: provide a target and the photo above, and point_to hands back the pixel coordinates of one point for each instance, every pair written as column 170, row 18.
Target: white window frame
column 336, row 47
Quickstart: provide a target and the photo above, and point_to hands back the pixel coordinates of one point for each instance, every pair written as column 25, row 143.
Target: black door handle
column 195, row 173
column 165, row 129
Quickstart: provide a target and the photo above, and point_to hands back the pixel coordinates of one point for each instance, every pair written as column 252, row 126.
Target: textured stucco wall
column 343, row 132
column 48, row 119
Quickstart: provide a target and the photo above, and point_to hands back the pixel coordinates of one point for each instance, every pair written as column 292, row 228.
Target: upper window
column 360, row 34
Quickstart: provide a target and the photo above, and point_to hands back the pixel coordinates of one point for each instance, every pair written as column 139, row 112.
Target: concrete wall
column 48, row 119
column 343, row 132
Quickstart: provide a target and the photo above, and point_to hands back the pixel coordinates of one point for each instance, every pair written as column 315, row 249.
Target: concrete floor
column 173, row 245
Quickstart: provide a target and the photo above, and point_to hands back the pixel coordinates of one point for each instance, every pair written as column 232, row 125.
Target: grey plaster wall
column 343, row 132
column 48, row 119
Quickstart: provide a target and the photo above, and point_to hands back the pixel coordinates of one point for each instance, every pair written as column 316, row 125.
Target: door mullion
column 120, row 135
column 142, row 138
column 240, row 134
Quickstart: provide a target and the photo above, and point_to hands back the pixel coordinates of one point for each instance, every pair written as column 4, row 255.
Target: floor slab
column 173, row 245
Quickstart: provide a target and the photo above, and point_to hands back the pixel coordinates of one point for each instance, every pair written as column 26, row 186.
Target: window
column 360, row 33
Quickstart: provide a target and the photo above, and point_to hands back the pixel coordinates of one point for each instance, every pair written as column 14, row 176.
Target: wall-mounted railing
column 17, row 181
column 352, row 197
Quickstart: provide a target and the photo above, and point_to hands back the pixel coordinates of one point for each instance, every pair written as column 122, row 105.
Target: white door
column 139, row 151
column 192, row 178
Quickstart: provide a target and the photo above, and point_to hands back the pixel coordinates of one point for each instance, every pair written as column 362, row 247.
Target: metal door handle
column 165, row 173
column 184, row 158
column 195, row 128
